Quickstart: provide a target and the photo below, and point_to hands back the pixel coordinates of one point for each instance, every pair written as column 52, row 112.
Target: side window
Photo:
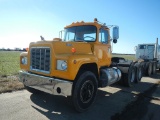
column 142, row 47
column 150, row 47
column 103, row 36
column 70, row 36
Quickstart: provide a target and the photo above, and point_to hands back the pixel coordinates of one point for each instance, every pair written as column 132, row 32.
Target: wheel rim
column 86, row 92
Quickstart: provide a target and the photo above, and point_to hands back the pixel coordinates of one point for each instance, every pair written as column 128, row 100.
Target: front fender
column 77, row 61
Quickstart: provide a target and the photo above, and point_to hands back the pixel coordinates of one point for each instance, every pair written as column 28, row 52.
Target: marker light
column 73, row 50
column 27, row 49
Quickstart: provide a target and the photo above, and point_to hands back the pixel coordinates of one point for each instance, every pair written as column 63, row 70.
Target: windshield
column 80, row 33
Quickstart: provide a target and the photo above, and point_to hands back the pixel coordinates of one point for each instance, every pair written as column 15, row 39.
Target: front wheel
column 84, row 91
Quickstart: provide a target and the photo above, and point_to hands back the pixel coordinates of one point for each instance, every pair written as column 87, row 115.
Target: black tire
column 84, row 91
column 143, row 68
column 31, row 90
column 154, row 68
column 129, row 78
column 148, row 69
column 138, row 73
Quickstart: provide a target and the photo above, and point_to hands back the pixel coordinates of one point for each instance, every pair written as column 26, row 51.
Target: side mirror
column 115, row 34
column 114, row 40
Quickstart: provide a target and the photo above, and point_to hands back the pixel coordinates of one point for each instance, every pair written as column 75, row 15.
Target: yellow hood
column 66, row 47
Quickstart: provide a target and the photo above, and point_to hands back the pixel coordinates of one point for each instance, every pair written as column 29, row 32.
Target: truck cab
column 145, row 51
column 93, row 34
column 76, row 64
column 149, row 52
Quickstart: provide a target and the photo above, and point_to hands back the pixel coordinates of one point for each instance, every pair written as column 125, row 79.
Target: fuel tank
column 109, row 76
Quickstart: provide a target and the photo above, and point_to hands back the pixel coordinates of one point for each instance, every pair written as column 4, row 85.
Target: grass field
column 127, row 57
column 9, row 62
column 9, row 67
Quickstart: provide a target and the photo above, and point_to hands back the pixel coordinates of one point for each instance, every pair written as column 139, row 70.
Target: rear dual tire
column 150, row 68
column 129, row 78
column 139, row 73
column 154, row 66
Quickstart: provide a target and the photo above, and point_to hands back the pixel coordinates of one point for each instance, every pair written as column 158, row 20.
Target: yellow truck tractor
column 77, row 64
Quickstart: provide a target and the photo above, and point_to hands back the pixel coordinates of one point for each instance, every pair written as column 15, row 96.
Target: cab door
column 102, row 49
column 150, row 51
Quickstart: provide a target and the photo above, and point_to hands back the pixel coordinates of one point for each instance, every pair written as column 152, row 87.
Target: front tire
column 84, row 92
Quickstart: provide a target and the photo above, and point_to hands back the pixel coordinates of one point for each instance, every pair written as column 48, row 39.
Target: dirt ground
column 141, row 102
column 10, row 83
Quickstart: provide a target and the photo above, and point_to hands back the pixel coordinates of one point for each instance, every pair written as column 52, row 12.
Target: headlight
column 64, row 65
column 24, row 60
column 61, row 65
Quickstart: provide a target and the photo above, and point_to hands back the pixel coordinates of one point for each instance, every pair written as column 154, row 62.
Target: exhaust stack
column 156, row 48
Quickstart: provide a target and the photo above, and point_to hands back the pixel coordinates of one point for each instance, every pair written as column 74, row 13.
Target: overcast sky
column 23, row 21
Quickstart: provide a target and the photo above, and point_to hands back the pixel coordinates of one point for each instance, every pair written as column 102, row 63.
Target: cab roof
column 82, row 23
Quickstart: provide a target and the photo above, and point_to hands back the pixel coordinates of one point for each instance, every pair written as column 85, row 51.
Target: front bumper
column 46, row 84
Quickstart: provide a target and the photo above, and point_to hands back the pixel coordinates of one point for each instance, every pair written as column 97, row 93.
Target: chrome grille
column 40, row 59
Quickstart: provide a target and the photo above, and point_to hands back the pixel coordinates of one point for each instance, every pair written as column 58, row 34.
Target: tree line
column 15, row 49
